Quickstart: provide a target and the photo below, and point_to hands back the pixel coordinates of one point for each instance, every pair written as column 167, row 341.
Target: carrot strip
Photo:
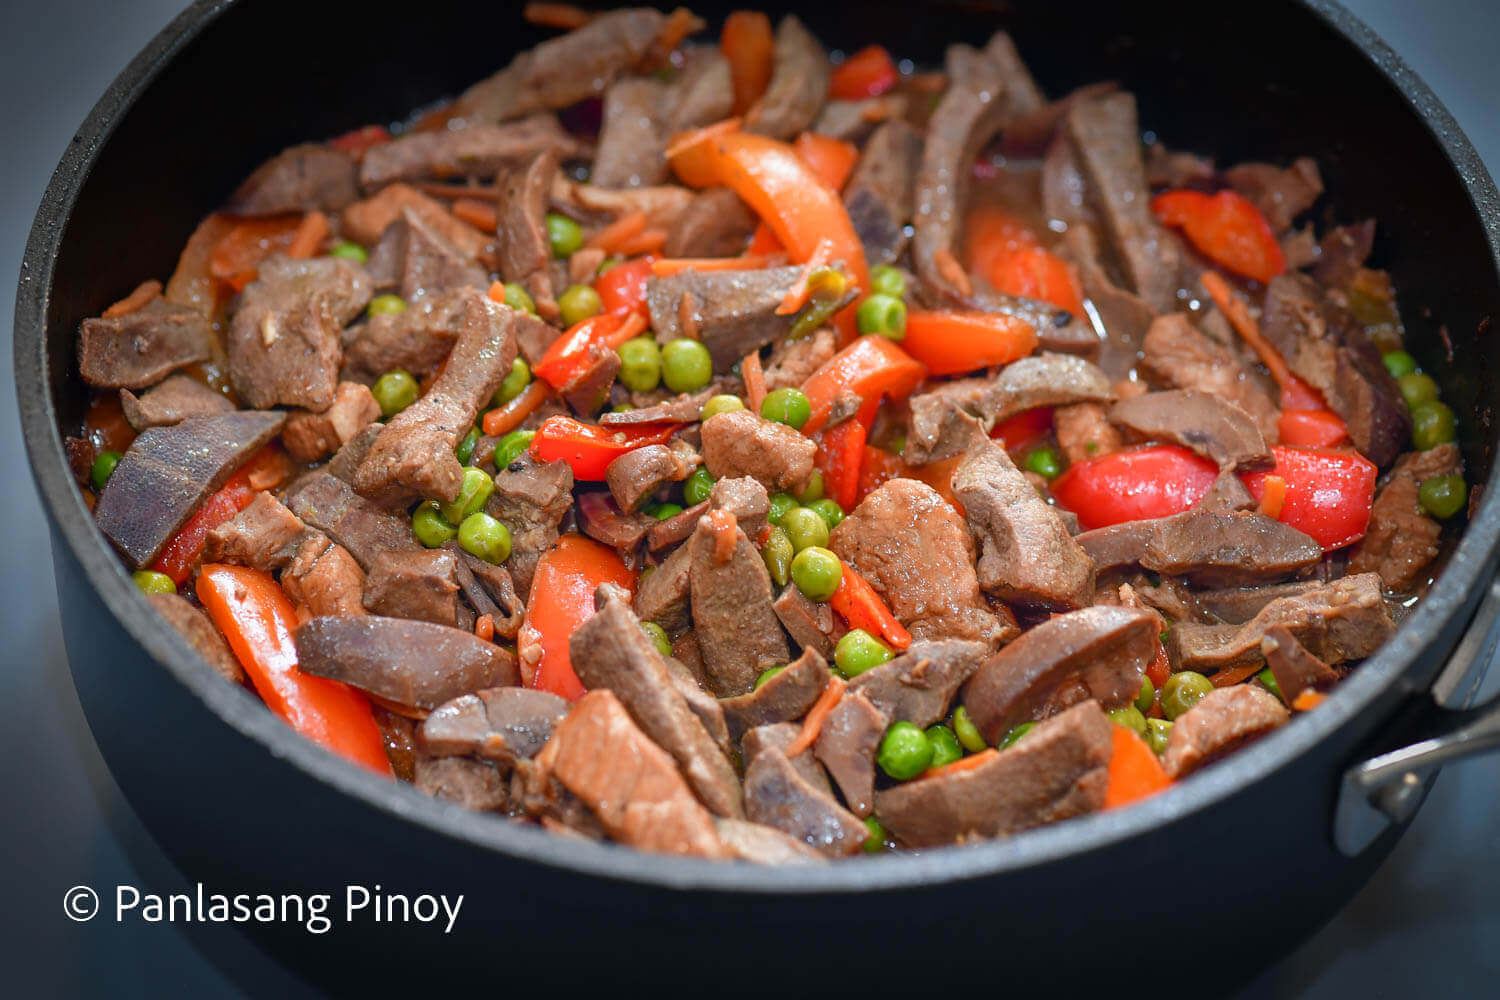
column 692, row 155
column 801, row 290
column 1135, row 772
column 668, row 266
column 144, row 293
column 1308, row 700
column 968, row 763
column 813, row 724
column 1234, row 675
column 1274, row 497
column 755, row 380
column 953, row 272
column 509, row 417
column 679, row 24
column 1244, row 324
column 479, row 214
column 609, row 238
column 484, row 627
column 565, row 16
column 497, row 292
column 309, row 237
column 644, row 242
column 723, row 525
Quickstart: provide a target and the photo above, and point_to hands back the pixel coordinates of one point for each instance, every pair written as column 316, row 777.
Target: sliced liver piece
column 1342, row 251
column 1083, row 431
column 417, row 339
column 785, row 697
column 525, row 250
column 676, row 529
column 366, row 221
column 680, row 409
column 716, row 223
column 1125, row 315
column 1294, row 668
column 1210, row 425
column 531, row 500
column 176, row 399
column 1224, row 720
column 780, row 736
column 416, row 260
column 419, row 584
column 662, row 596
column 740, row 443
column 168, row 471
column 918, row 686
column 847, row 744
column 489, row 590
column 143, row 346
column 201, row 634
column 602, row 520
column 878, row 196
column 593, row 205
column 324, row 579
column 798, row 87
column 777, row 796
column 473, row 784
column 306, row 178
column 1060, row 770
column 264, row 536
column 640, row 115
column 1402, row 538
column 1281, row 193
column 312, row 437
column 417, row 664
column 1237, row 605
column 1213, row 548
column 811, row 624
column 636, row 475
column 1097, row 654
column 732, row 616
column 503, row 724
column 328, row 503
column 793, row 362
column 746, row 499
column 731, row 312
column 477, row 151
column 853, row 121
column 763, row 845
column 1176, row 354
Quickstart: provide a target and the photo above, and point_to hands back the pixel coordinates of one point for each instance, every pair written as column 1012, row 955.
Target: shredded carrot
column 479, row 214
column 565, row 16
column 813, row 724
column 438, row 189
column 1308, row 700
column 968, row 763
column 755, row 380
column 1234, row 675
column 508, row 417
column 144, row 293
column 725, row 535
column 609, row 238
column 953, row 272
column 1244, row 324
column 1274, row 496
column 679, row 24
column 644, row 242
column 497, row 292
column 484, row 627
column 668, row 266
column 311, row 232
column 801, row 290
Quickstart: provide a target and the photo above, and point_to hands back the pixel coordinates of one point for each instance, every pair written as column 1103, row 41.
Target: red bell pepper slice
column 950, row 342
column 562, row 598
column 1024, row 430
column 236, row 258
column 1315, row 428
column 1009, row 254
column 589, row 448
column 360, row 140
column 184, row 548
column 749, row 45
column 571, row 354
column 1136, row 483
column 1227, row 228
column 1328, row 493
column 870, row 72
column 868, row 368
column 832, row 160
column 622, row 288
column 841, row 450
column 254, row 614
column 862, row 608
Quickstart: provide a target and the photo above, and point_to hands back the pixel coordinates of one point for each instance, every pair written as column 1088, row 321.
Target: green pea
column 1158, row 731
column 386, row 305
column 565, row 235
column 608, row 263
column 1147, row 696
column 945, row 748
column 473, row 493
column 1130, row 717
column 1044, row 462
column 1014, row 735
column 1268, row 680
column 686, row 365
column 817, row 573
column 430, row 526
column 875, row 842
column 1182, row 691
column 805, row 528
column 103, row 468
column 152, row 582
column 658, row 637
column 829, row 511
column 780, row 504
column 813, row 491
column 696, row 488
column 640, row 364
column 662, row 511
column 786, row 406
column 465, row 449
column 1417, row 389
column 897, row 444
column 1432, row 424
column 394, row 391
column 1399, row 363
column 882, row 314
column 1443, row 496
column 858, row 651
column 485, row 537
column 349, row 250
column 515, row 382
column 766, row 675
column 887, row 280
column 905, row 751
column 512, row 447
column 778, row 553
column 578, row 303
column 722, row 403
column 519, row 298
column 969, row 736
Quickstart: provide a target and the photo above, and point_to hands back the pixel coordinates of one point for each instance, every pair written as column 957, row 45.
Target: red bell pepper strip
column 750, row 47
column 236, row 258
column 184, row 548
column 1328, row 493
column 841, row 449
column 562, row 598
column 571, row 354
column 1024, row 430
column 1150, row 481
column 1160, row 667
column 862, row 608
column 1135, row 772
column 1009, row 254
column 832, row 160
column 589, row 448
column 950, row 342
column 360, row 140
column 869, row 368
column 868, row 73
column 254, row 614
column 622, row 288
column 1311, row 428
column 1225, row 227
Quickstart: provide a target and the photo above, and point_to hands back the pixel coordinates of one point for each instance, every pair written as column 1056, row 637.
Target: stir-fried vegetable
column 562, row 598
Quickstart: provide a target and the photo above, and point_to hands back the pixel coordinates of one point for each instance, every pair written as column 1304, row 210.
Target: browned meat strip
column 662, row 596
column 503, row 724
column 200, row 633
column 285, row 340
column 168, row 471
column 1237, row 605
column 792, row 362
column 1099, row 653
column 1281, row 193
column 1294, row 668
column 746, row 499
column 1210, row 425
column 524, row 249
column 264, row 536
column 763, row 845
column 1213, row 548
column 915, row 551
column 412, row 663
column 640, row 115
column 305, row 178
column 489, row 590
column 675, row 529
column 847, row 744
column 1343, row 620
column 351, row 453
column 1342, row 252
column 419, row 584
column 1031, row 133
column 142, row 347
column 328, row 504
column 798, row 87
column 312, row 437
column 1402, row 539
column 811, row 624
column 602, row 520
column 1026, row 555
column 786, row 696
column 780, row 736
column 878, row 196
column 1126, row 316
column 176, row 399
column 740, row 443
column 324, row 579
column 477, row 151
column 473, row 784
column 1059, row 770
column 1223, row 721
column 731, row 312
column 531, row 500
column 853, row 121
column 777, row 796
column 1083, row 431
column 416, row 260
column 399, row 734
column 680, row 409
column 592, row 205
column 918, row 685
column 413, row 456
column 636, row 475
column 732, row 616
column 1176, row 354
column 1167, row 168
column 416, row 339
column 366, row 220
column 716, row 223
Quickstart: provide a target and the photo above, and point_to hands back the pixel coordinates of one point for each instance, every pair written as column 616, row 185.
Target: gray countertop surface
column 1427, row 924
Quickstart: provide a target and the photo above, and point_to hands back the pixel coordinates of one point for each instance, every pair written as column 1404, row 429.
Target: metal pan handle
column 1387, row 789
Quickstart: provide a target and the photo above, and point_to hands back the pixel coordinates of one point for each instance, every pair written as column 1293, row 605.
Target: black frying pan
column 1246, row 858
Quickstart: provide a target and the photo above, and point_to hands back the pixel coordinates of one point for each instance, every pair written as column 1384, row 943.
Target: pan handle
column 1387, row 789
